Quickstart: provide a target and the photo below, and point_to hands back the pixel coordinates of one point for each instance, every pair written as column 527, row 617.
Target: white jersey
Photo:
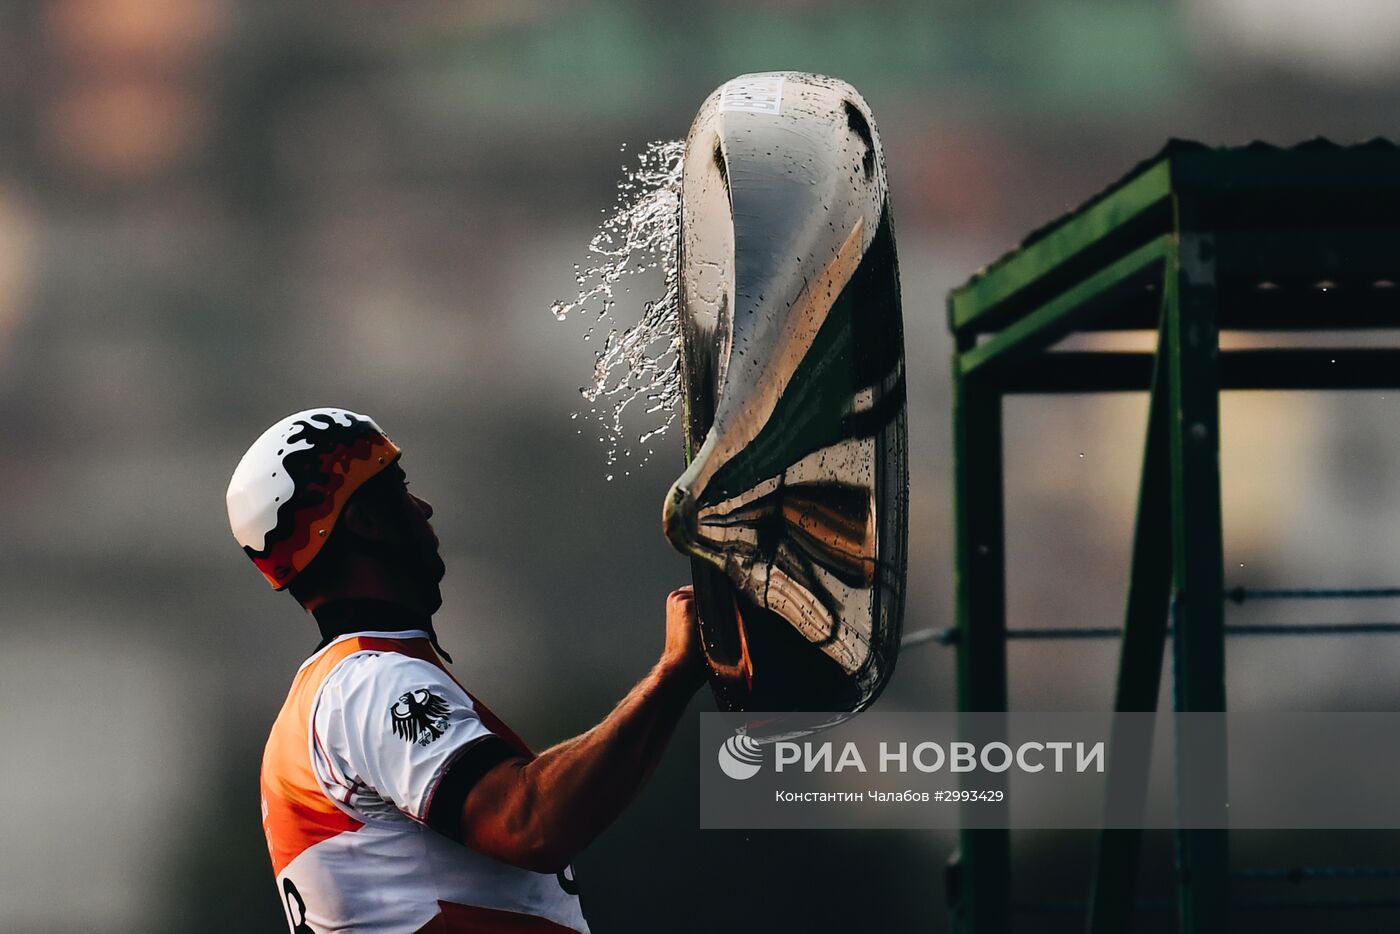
column 370, row 728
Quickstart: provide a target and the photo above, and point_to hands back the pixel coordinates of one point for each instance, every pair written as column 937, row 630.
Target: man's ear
column 365, row 522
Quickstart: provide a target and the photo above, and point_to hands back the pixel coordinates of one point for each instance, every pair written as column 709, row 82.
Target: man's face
column 421, row 547
column 430, row 546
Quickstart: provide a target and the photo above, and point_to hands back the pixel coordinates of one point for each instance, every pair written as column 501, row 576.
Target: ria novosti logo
column 740, row 757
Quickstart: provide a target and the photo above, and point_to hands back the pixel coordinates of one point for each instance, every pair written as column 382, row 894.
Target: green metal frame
column 1191, row 242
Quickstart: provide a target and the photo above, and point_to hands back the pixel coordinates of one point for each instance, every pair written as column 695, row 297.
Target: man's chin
column 432, row 581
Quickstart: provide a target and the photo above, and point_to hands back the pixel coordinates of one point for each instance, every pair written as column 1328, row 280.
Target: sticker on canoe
column 756, row 94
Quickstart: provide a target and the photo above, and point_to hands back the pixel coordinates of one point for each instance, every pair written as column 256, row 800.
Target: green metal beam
column 1140, row 661
column 1198, row 649
column 1065, row 313
column 1022, row 268
column 982, row 894
column 1273, row 369
column 1250, row 238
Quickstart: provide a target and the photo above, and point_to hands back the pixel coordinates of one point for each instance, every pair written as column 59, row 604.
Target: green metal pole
column 1140, row 660
column 1198, row 648
column 980, row 879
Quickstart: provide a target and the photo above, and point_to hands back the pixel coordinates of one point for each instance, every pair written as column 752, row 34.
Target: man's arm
column 537, row 814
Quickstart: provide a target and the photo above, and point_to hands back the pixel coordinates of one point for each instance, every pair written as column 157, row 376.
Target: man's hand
column 683, row 659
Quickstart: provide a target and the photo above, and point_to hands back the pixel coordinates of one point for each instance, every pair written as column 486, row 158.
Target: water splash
column 640, row 361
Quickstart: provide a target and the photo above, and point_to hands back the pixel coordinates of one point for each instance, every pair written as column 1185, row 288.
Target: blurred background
column 217, row 212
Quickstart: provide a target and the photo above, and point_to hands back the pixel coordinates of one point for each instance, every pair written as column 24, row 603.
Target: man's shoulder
column 383, row 670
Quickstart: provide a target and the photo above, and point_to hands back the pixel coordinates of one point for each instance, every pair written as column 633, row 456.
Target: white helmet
column 290, row 486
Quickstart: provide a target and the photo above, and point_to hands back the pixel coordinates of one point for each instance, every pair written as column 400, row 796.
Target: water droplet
column 641, row 234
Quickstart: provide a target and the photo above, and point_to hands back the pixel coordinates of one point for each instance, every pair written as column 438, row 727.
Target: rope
column 924, row 636
column 1080, row 905
column 1241, row 594
column 1355, row 903
column 1299, row 873
column 1312, row 629
column 950, row 635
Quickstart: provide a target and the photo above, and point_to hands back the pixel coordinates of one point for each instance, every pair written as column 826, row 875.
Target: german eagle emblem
column 419, row 716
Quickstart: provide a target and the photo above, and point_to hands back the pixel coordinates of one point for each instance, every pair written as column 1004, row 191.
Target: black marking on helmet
column 310, row 482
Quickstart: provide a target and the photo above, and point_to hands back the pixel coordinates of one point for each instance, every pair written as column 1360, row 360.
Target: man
column 393, row 800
